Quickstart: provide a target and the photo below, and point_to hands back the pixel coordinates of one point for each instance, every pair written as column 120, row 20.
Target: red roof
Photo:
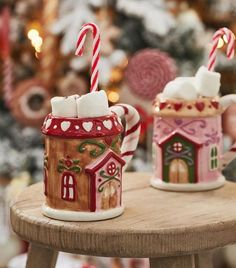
column 93, row 167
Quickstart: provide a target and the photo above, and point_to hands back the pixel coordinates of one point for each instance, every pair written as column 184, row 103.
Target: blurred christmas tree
column 37, row 56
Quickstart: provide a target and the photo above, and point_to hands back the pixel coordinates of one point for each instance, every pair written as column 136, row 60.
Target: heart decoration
column 65, row 125
column 215, row 104
column 162, row 105
column 178, row 121
column 178, row 106
column 200, row 106
column 107, row 124
column 48, row 123
column 88, row 126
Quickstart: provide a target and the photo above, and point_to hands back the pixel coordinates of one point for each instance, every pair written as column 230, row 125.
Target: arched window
column 68, row 187
column 213, row 158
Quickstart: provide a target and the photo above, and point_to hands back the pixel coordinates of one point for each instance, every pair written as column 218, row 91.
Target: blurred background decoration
column 145, row 43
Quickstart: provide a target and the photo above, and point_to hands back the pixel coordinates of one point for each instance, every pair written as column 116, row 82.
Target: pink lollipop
column 149, row 71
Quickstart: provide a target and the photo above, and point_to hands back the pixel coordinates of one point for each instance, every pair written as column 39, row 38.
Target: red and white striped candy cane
column 96, row 51
column 132, row 129
column 230, row 46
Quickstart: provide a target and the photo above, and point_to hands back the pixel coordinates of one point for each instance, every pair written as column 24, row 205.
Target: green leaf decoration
column 76, row 169
column 107, row 178
column 60, row 168
column 94, row 152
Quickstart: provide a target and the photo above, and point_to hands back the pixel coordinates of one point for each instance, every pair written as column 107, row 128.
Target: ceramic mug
column 84, row 163
column 187, row 143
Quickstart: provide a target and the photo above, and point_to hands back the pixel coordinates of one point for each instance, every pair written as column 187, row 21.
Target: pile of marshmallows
column 93, row 104
column 205, row 84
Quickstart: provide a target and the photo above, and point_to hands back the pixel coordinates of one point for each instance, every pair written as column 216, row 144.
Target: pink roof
column 193, row 139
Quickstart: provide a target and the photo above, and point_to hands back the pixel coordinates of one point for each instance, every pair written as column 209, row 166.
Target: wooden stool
column 174, row 230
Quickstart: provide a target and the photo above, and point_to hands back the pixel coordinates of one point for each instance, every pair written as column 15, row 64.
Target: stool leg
column 204, row 260
column 173, row 262
column 39, row 257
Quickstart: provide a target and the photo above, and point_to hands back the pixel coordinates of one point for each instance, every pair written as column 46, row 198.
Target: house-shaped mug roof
column 102, row 160
column 167, row 138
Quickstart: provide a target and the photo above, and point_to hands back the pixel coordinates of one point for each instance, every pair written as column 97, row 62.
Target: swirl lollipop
column 149, row 71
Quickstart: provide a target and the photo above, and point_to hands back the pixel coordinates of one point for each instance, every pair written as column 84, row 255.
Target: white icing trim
column 67, row 215
column 187, row 187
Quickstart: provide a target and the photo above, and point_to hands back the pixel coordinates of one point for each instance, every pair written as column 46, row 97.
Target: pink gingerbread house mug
column 187, row 138
column 85, row 157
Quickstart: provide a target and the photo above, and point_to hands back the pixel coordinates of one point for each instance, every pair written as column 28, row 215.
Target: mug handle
column 132, row 130
column 227, row 157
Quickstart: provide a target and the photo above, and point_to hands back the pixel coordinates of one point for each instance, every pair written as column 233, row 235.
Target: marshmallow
column 64, row 106
column 191, row 79
column 180, row 89
column 207, row 82
column 93, row 104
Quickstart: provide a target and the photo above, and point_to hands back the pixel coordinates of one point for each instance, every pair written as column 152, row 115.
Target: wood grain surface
column 155, row 223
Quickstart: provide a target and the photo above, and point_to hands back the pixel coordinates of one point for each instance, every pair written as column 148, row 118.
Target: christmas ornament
column 30, row 102
column 230, row 46
column 148, row 72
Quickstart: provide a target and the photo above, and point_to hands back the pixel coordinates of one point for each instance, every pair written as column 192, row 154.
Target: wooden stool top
column 155, row 223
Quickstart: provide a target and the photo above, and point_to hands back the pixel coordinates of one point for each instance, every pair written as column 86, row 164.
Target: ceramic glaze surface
column 75, row 168
column 187, row 150
column 84, row 162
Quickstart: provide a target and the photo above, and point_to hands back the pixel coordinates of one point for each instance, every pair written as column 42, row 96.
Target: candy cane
column 5, row 51
column 132, row 130
column 230, row 46
column 96, row 51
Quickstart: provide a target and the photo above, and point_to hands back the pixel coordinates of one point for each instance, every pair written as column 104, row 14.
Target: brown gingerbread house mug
column 85, row 159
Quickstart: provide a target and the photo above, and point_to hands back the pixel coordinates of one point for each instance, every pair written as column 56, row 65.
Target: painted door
column 178, row 172
column 179, row 158
column 110, row 196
